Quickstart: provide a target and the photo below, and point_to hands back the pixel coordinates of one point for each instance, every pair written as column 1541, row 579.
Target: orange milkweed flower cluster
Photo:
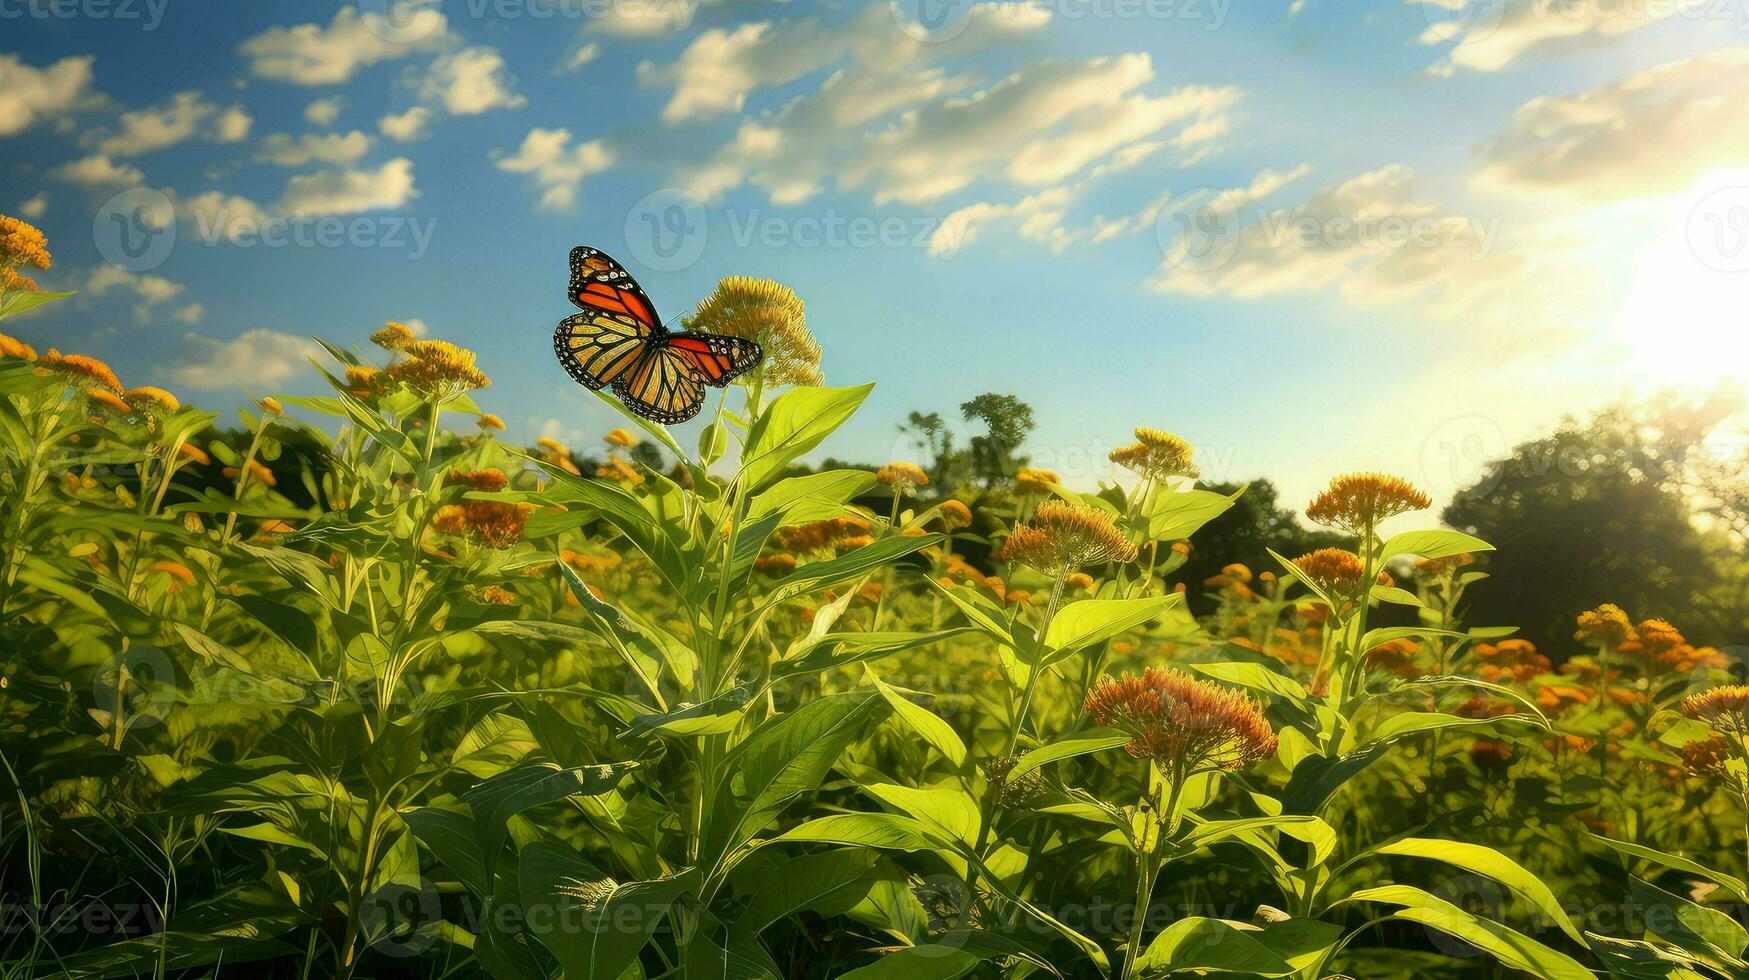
column 1035, row 482
column 1182, row 724
column 495, row 595
column 769, row 314
column 365, row 383
column 79, row 371
column 1064, row 535
column 23, row 244
column 1723, row 709
column 1511, row 660
column 13, row 347
column 490, row 423
column 902, row 477
column 1434, row 568
column 775, row 565
column 619, row 471
column 492, row 523
column 1396, row 657
column 822, row 536
column 955, row 514
column 1158, row 455
column 485, row 481
column 393, row 337
column 619, row 437
column 1334, row 570
column 1607, row 625
column 1357, row 502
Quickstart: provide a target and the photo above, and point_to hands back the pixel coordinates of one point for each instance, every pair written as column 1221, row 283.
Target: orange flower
column 1491, row 755
column 257, row 472
column 1080, row 581
column 12, row 279
column 1064, row 535
column 194, row 454
column 955, row 515
column 494, row 595
column 1723, row 709
column 393, row 336
column 1156, row 454
column 619, row 437
column 79, row 371
column 1357, row 502
column 620, row 471
column 485, row 481
column 106, row 399
column 775, row 565
column 22, row 243
column 13, row 347
column 1606, row 626
column 1332, row 569
column 1036, row 482
column 490, row 423
column 902, row 477
column 1184, row 725
column 178, row 572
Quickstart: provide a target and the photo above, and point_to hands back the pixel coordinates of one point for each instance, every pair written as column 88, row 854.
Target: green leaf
column 16, row 301
column 501, row 797
column 1507, row 945
column 1179, row 515
column 1677, row 863
column 1081, row 624
column 1433, row 544
column 1489, row 863
column 829, row 882
column 781, row 760
column 814, row 497
column 593, row 925
column 794, row 423
column 1257, row 677
column 1209, row 945
column 835, row 650
column 1083, row 742
column 714, row 717
column 929, row 962
column 817, row 576
column 924, row 722
column 1410, row 722
column 885, row 831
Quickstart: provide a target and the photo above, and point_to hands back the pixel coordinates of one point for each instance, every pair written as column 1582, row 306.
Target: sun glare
column 1687, row 318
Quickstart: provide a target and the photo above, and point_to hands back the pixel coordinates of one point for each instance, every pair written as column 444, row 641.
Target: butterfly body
column 619, row 342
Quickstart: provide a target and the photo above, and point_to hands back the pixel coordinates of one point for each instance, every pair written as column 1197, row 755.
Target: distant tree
column 930, row 434
column 994, row 456
column 1595, row 512
column 1244, row 533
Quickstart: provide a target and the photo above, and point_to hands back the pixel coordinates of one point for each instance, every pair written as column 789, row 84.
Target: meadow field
column 350, row 686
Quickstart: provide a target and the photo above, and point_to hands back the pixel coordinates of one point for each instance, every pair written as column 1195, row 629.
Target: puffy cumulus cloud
column 323, row 112
column 311, row 54
column 34, row 207
column 189, row 314
column 286, row 150
column 1653, row 133
column 469, row 82
column 215, row 216
column 28, row 94
column 350, row 191
column 643, row 19
column 186, row 116
column 722, row 67
column 406, row 127
column 1489, row 35
column 557, row 167
column 149, row 289
column 1044, row 124
column 98, row 172
column 257, row 358
column 580, row 57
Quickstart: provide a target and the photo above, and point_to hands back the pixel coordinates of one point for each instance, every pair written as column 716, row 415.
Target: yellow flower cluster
column 1157, row 455
column 1064, row 535
column 902, row 477
column 79, row 371
column 1357, row 502
column 437, row 369
column 1034, row 482
column 769, row 314
column 1184, row 725
column 23, row 244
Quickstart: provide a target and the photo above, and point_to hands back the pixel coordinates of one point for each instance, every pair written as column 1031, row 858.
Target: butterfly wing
column 598, row 348
column 661, row 385
column 600, row 284
column 717, row 359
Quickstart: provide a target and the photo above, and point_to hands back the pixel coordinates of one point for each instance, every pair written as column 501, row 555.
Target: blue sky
column 1425, row 229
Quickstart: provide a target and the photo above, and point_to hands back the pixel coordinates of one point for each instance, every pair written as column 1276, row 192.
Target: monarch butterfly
column 618, row 340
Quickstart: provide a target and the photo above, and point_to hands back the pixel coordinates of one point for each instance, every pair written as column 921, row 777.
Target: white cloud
column 557, row 167
column 310, row 54
column 471, row 81
column 286, row 150
column 647, row 19
column 98, row 172
column 1656, row 132
column 407, row 126
column 28, row 94
column 721, row 68
column 215, row 215
column 35, row 207
column 323, row 112
column 189, row 314
column 256, row 359
column 184, row 117
column 350, row 191
column 581, row 56
column 1489, row 35
column 148, row 288
column 1047, row 123
column 416, row 326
